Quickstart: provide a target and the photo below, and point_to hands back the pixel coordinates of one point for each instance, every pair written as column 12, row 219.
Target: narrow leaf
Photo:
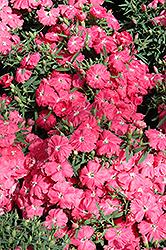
column 143, row 157
column 162, row 121
column 104, row 52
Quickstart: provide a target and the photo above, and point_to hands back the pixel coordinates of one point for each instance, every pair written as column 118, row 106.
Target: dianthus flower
column 48, row 17
column 98, row 11
column 157, row 139
column 107, row 41
column 20, row 4
column 161, row 19
column 112, row 22
column 147, row 206
column 119, row 237
column 154, row 3
column 155, row 230
column 45, row 94
column 74, row 44
column 22, row 75
column 83, row 140
column 13, row 20
column 6, row 80
column 59, row 148
column 60, row 81
column 92, row 175
column 63, row 193
column 5, row 44
column 56, row 217
column 108, row 143
column 98, row 77
column 3, row 3
column 58, row 171
column 117, row 60
column 46, row 120
column 30, row 61
column 82, row 242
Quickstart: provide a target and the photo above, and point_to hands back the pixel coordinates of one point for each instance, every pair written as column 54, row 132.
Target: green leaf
column 31, row 80
column 86, row 38
column 104, row 52
column 143, row 157
column 74, row 89
column 108, row 217
column 62, row 69
column 136, row 150
column 118, row 215
column 75, row 56
column 162, row 121
column 128, row 156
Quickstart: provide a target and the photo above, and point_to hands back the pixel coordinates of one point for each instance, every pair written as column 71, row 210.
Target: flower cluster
column 96, row 175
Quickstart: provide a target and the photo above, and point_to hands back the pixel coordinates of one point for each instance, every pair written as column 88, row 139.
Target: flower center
column 81, row 139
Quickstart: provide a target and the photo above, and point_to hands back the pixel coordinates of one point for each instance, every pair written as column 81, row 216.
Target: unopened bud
column 17, row 99
column 150, row 32
column 155, row 69
column 134, row 21
column 44, row 63
column 144, row 7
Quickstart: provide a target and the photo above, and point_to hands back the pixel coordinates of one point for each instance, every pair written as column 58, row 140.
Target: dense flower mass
column 74, row 150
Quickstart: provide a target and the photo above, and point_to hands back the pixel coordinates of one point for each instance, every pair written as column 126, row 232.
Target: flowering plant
column 74, row 149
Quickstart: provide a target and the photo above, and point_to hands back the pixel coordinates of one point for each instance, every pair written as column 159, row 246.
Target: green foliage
column 149, row 39
column 25, row 233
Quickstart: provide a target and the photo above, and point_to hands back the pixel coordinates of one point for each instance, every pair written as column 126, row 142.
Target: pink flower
column 46, row 120
column 145, row 205
column 56, row 217
column 157, row 139
column 107, row 41
column 13, row 20
column 83, row 140
column 108, row 143
column 57, row 171
column 20, row 4
column 60, row 81
column 112, row 22
column 98, row 77
column 92, row 175
column 22, row 75
column 109, row 205
column 161, row 19
column 39, row 186
column 45, row 94
column 82, row 241
column 119, row 237
column 5, row 45
column 124, row 38
column 154, row 3
column 63, row 193
column 117, row 60
column 98, row 11
column 155, row 230
column 48, row 17
column 59, row 148
column 74, row 44
column 30, row 61
column 3, row 3
column 6, row 80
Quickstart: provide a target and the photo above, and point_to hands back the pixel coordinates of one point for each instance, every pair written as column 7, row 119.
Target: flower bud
column 155, row 69
column 144, row 7
column 134, row 21
column 17, row 99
